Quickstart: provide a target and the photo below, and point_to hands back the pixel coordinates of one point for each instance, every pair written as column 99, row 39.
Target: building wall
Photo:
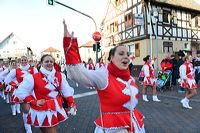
column 87, row 52
column 12, row 47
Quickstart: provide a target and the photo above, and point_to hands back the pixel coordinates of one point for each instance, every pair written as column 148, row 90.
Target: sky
column 40, row 25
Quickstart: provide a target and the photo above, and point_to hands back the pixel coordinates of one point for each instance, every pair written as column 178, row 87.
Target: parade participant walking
column 117, row 91
column 19, row 73
column 15, row 106
column 149, row 79
column 100, row 64
column 42, row 91
column 90, row 64
column 187, row 81
column 3, row 74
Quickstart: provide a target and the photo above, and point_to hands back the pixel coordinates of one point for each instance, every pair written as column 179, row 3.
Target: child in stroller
column 164, row 80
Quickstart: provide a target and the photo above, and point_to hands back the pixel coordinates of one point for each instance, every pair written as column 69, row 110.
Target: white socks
column 13, row 108
column 185, row 103
column 26, row 126
column 18, row 108
column 155, row 99
column 144, row 97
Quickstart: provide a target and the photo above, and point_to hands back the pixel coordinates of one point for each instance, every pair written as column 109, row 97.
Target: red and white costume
column 149, row 76
column 187, row 76
column 118, row 97
column 90, row 66
column 99, row 65
column 15, row 77
column 3, row 74
column 42, row 86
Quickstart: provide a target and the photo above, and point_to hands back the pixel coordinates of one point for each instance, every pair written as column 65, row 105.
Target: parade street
column 165, row 117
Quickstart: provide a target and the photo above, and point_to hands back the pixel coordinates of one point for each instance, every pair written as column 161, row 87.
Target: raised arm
column 66, row 32
column 75, row 68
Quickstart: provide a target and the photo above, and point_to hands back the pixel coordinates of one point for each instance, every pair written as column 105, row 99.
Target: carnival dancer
column 149, row 79
column 117, row 91
column 90, row 64
column 3, row 74
column 15, row 106
column 19, row 73
column 100, row 64
column 1, row 85
column 187, row 81
column 42, row 91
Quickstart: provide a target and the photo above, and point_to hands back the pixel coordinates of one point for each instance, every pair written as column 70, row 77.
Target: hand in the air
column 66, row 32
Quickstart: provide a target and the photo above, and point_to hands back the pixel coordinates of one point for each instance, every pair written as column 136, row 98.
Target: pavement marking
column 179, row 98
column 162, row 95
column 85, row 94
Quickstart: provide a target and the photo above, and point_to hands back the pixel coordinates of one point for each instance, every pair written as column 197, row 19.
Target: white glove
column 72, row 111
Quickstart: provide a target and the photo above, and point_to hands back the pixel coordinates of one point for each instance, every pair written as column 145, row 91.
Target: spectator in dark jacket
column 173, row 61
column 181, row 55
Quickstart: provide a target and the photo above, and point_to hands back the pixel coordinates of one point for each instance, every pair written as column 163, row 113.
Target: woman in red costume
column 19, row 73
column 116, row 89
column 15, row 106
column 100, row 64
column 40, row 91
column 149, row 79
column 187, row 81
column 90, row 64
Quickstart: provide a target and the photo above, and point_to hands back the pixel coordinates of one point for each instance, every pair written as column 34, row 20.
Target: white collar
column 24, row 68
column 46, row 72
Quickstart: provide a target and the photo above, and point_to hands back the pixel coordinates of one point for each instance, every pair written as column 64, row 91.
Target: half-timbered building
column 153, row 27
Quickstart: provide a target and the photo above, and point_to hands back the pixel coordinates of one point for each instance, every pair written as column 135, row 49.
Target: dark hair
column 146, row 58
column 99, row 59
column 109, row 55
column 90, row 59
column 112, row 51
column 181, row 53
column 45, row 55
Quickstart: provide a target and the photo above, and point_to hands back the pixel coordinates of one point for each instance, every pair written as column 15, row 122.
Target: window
column 57, row 55
column 116, row 26
column 166, row 16
column 117, row 2
column 167, row 47
column 112, row 28
column 137, row 50
column 128, row 20
column 131, row 49
column 197, row 21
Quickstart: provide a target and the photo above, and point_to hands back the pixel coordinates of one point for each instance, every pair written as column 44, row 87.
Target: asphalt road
column 165, row 117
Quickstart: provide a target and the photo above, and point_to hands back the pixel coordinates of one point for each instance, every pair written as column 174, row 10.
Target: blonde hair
column 187, row 57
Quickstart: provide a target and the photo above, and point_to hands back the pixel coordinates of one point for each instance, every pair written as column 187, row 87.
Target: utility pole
column 150, row 32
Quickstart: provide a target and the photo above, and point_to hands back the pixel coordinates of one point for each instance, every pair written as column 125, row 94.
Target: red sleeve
column 72, row 56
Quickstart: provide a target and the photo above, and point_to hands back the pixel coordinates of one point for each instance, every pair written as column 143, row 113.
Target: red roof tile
column 50, row 49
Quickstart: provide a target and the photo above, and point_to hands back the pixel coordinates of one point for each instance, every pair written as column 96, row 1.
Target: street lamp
column 51, row 2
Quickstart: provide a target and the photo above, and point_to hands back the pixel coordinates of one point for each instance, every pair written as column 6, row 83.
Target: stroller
column 164, row 80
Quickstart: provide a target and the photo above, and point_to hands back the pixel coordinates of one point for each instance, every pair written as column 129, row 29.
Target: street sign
column 139, row 19
column 96, row 36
